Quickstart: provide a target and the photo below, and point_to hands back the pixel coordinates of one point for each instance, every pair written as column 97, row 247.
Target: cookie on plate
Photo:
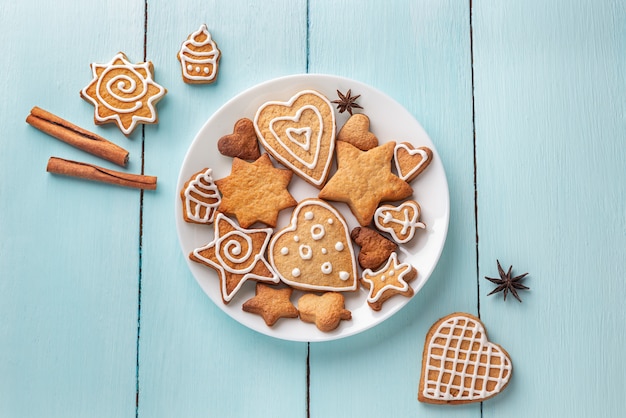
column 400, row 221
column 242, row 143
column 356, row 131
column 314, row 251
column 364, row 179
column 300, row 134
column 200, row 198
column 411, row 161
column 375, row 249
column 255, row 192
column 123, row 93
column 237, row 255
column 325, row 311
column 199, row 57
column 271, row 303
column 460, row 364
column 392, row 279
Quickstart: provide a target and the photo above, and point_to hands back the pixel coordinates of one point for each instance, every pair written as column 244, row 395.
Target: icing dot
column 383, row 278
column 324, row 251
column 327, row 268
column 339, row 246
column 308, row 215
column 391, row 273
column 120, row 85
column 189, row 67
column 317, row 232
column 284, row 251
column 296, row 238
column 295, row 272
column 305, row 252
column 206, row 70
column 344, row 275
column 330, row 221
column 198, row 69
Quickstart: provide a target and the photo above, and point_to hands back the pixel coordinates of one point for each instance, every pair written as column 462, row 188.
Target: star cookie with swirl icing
column 237, row 255
column 123, row 93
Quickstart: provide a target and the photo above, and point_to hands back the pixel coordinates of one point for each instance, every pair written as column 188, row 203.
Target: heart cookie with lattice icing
column 314, row 251
column 299, row 133
column 460, row 365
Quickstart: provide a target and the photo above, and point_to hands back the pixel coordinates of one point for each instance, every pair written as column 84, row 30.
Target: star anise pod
column 347, row 102
column 506, row 283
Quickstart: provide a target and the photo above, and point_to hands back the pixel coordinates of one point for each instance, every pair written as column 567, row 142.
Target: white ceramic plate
column 389, row 121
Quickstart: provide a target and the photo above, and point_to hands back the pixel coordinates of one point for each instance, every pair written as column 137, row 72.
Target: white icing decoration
column 306, row 132
column 203, row 186
column 296, row 238
column 227, row 243
column 189, row 54
column 465, row 363
column 424, row 154
column 384, row 220
column 392, row 265
column 284, row 251
column 305, row 251
column 339, row 246
column 127, row 84
column 344, row 275
column 308, row 215
column 317, row 232
column 295, row 272
column 330, row 221
column 327, row 267
column 324, row 251
column 320, row 177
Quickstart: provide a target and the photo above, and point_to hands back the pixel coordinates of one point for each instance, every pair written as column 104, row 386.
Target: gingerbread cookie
column 410, row 161
column 314, row 251
column 325, row 311
column 356, row 131
column 200, row 198
column 300, row 134
column 199, row 57
column 399, row 221
column 375, row 249
column 242, row 143
column 237, row 254
column 392, row 279
column 459, row 363
column 123, row 93
column 255, row 192
column 364, row 179
column 271, row 303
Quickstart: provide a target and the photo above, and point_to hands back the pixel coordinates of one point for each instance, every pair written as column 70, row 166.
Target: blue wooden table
column 524, row 100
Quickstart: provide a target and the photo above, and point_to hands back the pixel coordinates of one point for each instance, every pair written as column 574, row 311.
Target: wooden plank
column 194, row 359
column 68, row 248
column 549, row 89
column 424, row 63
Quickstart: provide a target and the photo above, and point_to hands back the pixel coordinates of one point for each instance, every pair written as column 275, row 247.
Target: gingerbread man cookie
column 392, row 279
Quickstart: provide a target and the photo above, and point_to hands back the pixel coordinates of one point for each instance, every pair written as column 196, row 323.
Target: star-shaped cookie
column 392, row 279
column 364, row 179
column 123, row 93
column 271, row 303
column 237, row 254
column 255, row 191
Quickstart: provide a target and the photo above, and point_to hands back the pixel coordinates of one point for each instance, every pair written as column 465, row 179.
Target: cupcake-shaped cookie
column 200, row 198
column 199, row 57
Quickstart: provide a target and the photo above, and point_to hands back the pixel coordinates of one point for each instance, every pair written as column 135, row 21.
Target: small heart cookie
column 459, row 364
column 300, row 134
column 242, row 143
column 325, row 311
column 399, row 221
column 410, row 161
column 356, row 131
column 314, row 251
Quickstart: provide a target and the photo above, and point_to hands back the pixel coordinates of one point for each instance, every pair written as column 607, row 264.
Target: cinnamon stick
column 96, row 173
column 77, row 136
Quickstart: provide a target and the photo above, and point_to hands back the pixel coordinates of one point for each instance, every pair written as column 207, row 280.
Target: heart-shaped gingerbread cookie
column 242, row 143
column 300, row 133
column 410, row 161
column 314, row 251
column 399, row 221
column 460, row 364
column 356, row 131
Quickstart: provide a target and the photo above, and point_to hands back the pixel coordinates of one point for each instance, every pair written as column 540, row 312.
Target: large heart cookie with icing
column 460, row 364
column 314, row 251
column 300, row 133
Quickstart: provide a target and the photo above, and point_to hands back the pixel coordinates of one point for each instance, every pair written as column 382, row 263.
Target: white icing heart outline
column 411, row 152
column 316, row 181
column 307, row 131
column 411, row 223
